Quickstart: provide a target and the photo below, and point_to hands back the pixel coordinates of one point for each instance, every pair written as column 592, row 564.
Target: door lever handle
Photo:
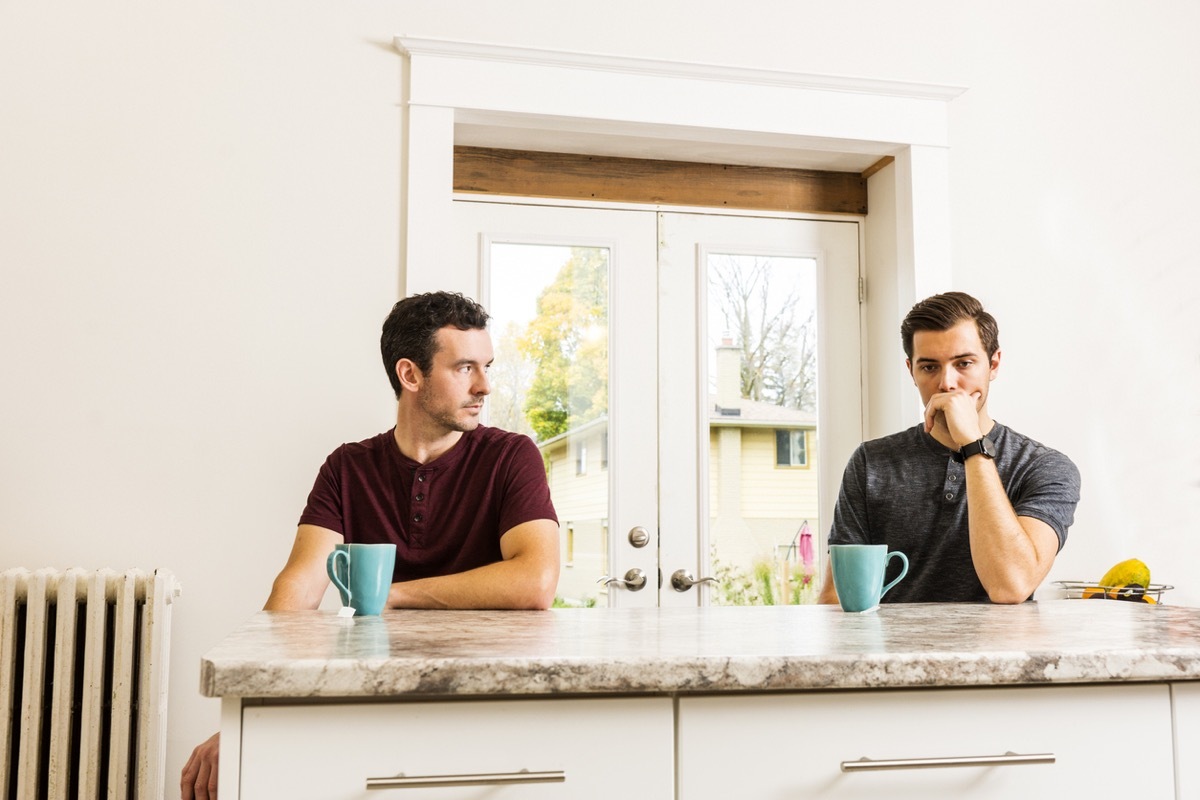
column 634, row 580
column 682, row 580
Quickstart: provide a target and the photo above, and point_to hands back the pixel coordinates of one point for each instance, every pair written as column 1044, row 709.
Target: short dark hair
column 942, row 312
column 411, row 328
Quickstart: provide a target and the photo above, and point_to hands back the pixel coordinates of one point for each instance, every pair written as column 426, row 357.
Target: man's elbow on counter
column 539, row 603
column 541, row 595
column 530, row 588
column 1009, row 595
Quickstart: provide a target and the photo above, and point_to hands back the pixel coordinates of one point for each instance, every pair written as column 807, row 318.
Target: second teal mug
column 858, row 571
column 362, row 574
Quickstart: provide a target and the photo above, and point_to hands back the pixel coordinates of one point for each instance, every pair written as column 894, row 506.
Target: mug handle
column 331, row 566
column 903, row 571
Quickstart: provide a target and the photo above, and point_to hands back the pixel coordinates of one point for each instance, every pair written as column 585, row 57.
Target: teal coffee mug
column 858, row 574
column 362, row 574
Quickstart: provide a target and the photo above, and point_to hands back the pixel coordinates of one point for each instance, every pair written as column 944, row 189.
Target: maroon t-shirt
column 444, row 517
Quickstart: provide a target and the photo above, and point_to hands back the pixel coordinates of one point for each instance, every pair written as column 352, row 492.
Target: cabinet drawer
column 601, row 747
column 1105, row 740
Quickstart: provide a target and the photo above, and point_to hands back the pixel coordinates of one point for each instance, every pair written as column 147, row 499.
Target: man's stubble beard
column 450, row 420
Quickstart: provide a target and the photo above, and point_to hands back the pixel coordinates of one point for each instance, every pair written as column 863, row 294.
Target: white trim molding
column 476, row 51
column 482, row 81
column 724, row 110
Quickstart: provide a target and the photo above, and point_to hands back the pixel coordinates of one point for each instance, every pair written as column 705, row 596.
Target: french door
column 693, row 382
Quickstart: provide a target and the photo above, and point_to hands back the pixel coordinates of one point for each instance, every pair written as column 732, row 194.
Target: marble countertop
column 420, row 654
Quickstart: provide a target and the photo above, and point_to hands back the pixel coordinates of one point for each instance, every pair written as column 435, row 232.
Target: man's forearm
column 302, row 582
column 526, row 578
column 1008, row 557
column 292, row 592
column 512, row 584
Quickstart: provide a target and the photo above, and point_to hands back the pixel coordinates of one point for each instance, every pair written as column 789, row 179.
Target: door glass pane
column 762, row 428
column 549, row 307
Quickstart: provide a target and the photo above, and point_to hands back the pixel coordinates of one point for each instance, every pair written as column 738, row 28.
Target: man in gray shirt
column 979, row 509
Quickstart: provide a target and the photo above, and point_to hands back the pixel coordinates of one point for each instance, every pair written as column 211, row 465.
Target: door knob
column 682, row 580
column 634, row 580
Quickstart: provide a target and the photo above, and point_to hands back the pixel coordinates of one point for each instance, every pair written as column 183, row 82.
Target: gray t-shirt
column 907, row 491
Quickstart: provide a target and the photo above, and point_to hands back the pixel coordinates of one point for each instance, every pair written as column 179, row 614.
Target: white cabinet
column 1185, row 697
column 602, row 747
column 1106, row 740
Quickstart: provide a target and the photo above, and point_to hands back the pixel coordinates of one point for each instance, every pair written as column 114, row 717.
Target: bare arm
column 303, row 580
column 1012, row 555
column 525, row 579
column 828, row 591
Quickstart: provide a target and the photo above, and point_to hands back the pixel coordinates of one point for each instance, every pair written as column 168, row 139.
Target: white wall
column 199, row 235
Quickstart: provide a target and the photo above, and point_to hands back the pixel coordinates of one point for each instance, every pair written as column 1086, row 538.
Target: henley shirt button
column 421, row 478
column 953, row 478
column 418, row 517
column 420, row 497
column 949, row 495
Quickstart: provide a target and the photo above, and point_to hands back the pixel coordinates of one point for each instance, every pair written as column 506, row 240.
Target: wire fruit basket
column 1085, row 590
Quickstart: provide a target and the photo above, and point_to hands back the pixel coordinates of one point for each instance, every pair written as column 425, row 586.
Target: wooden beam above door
column 568, row 176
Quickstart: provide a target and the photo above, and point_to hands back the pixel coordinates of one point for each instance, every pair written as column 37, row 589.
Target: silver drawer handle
column 402, row 781
column 1009, row 758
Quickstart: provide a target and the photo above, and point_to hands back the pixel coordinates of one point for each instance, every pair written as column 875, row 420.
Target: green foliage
column 568, row 341
column 734, row 587
column 759, row 586
column 562, row 602
column 763, row 579
column 803, row 586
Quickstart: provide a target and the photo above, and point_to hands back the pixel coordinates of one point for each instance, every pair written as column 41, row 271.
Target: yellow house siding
column 579, row 496
column 769, row 491
column 581, row 502
column 714, row 472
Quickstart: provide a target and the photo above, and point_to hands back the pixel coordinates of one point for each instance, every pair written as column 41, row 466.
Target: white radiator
column 83, row 683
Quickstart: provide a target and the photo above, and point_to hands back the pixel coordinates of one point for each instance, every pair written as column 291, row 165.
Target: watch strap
column 982, row 446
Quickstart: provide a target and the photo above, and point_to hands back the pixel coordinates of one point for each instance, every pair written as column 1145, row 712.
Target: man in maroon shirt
column 467, row 506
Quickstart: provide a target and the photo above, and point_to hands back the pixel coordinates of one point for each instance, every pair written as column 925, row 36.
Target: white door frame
column 907, row 236
column 684, row 242
column 631, row 240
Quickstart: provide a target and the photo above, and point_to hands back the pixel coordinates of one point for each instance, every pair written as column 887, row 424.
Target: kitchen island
column 716, row 702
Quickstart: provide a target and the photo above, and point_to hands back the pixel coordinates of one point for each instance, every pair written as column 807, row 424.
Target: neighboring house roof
column 757, row 414
column 752, row 414
column 574, row 433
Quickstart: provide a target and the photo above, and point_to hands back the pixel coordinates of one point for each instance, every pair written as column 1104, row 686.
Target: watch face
column 989, row 449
